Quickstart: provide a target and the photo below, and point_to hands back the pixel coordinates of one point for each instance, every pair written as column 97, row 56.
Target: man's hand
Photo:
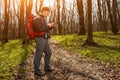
column 51, row 25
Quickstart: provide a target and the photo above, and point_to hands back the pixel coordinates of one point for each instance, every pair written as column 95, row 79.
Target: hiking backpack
column 29, row 26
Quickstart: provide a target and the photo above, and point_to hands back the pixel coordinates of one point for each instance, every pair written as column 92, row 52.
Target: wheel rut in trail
column 71, row 66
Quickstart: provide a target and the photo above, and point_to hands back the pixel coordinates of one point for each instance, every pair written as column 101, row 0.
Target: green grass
column 109, row 50
column 11, row 55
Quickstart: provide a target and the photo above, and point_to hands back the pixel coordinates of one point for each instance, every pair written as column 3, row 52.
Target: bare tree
column 63, row 22
column 29, row 5
column 1, row 19
column 38, row 7
column 53, row 17
column 104, row 17
column 58, row 17
column 16, row 18
column 100, row 16
column 6, row 20
column 81, row 17
column 89, row 41
column 21, row 19
column 112, row 15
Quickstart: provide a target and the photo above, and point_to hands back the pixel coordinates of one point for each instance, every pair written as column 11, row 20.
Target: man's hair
column 45, row 9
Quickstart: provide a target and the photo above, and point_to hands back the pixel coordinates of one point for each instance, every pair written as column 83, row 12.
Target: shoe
column 49, row 69
column 39, row 73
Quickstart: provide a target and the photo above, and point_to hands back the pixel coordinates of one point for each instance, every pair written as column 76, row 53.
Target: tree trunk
column 6, row 20
column 58, row 17
column 89, row 40
column 112, row 17
column 63, row 23
column 28, row 5
column 81, row 17
column 100, row 16
column 104, row 17
column 1, row 21
column 38, row 9
column 21, row 19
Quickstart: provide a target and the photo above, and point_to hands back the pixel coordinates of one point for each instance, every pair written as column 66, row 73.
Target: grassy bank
column 109, row 50
column 11, row 55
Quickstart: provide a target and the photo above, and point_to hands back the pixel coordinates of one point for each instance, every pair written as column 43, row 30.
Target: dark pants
column 42, row 45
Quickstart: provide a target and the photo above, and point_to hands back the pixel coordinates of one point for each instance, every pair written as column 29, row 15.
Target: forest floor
column 69, row 66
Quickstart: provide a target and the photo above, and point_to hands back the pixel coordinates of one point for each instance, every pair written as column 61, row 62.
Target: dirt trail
column 71, row 66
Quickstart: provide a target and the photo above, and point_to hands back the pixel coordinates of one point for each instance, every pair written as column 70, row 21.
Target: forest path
column 70, row 66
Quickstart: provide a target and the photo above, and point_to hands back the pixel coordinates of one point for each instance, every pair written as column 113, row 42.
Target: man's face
column 45, row 13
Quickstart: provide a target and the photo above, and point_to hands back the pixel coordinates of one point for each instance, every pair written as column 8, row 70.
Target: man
column 41, row 39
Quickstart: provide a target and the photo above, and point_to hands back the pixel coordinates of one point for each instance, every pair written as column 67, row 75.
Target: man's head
column 45, row 11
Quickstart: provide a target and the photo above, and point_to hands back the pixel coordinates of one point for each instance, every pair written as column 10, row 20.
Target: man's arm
column 51, row 25
column 38, row 26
